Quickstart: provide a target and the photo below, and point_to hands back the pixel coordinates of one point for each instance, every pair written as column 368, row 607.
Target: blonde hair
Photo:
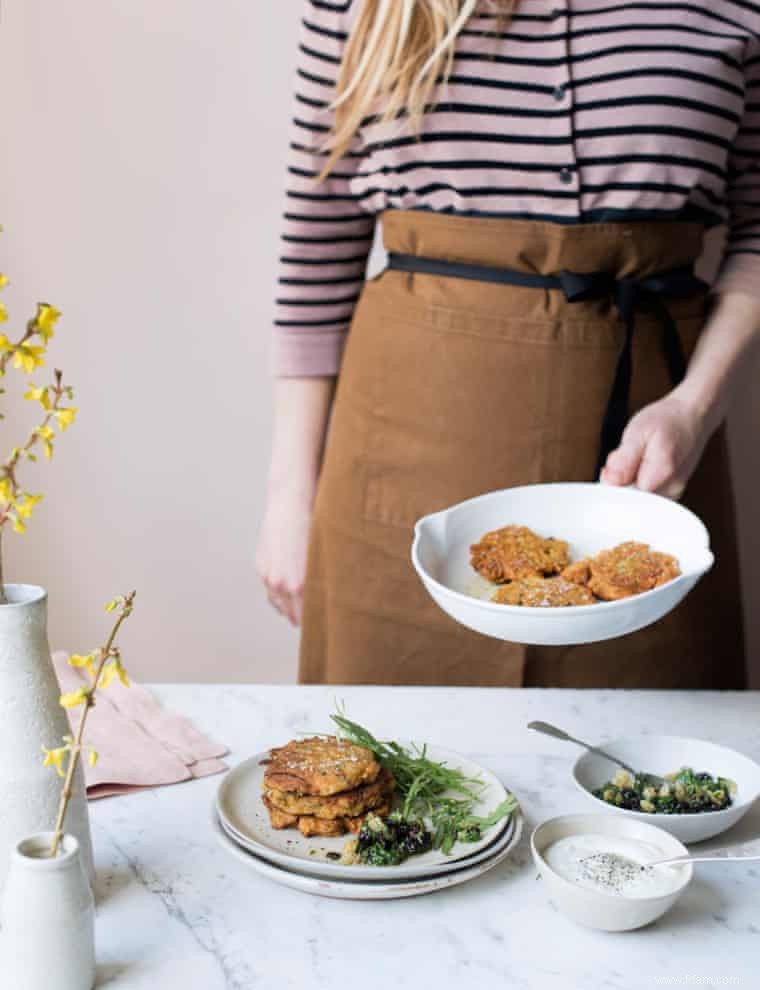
column 396, row 52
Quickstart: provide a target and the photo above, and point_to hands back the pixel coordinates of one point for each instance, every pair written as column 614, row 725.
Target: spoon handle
column 552, row 730
column 716, row 857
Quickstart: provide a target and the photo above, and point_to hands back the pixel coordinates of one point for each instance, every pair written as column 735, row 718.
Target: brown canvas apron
column 451, row 387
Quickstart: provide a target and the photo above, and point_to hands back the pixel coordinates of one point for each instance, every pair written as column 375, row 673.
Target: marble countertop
column 176, row 910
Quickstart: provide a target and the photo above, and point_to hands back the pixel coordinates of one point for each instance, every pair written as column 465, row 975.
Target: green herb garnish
column 389, row 841
column 436, row 791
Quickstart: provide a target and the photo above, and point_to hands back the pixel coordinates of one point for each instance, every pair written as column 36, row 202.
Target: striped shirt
column 581, row 111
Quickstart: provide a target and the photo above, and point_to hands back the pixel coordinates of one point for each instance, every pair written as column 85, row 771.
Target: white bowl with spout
column 590, row 517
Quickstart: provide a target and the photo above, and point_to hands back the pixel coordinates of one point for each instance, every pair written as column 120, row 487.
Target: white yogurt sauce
column 612, row 865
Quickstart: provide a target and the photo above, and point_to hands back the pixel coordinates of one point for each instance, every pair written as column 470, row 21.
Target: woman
column 503, row 146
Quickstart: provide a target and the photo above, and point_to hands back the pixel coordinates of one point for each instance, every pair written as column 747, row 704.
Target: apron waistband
column 630, row 295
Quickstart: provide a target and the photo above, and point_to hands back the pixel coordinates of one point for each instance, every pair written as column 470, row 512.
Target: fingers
column 622, row 466
column 660, row 448
column 297, row 601
column 662, row 471
column 288, row 602
column 673, row 489
column 658, row 471
column 281, row 555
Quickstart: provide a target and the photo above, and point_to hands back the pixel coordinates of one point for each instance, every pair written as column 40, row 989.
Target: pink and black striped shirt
column 581, row 111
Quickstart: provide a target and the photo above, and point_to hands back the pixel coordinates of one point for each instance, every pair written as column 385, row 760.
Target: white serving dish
column 246, row 820
column 369, row 889
column 664, row 754
column 590, row 517
column 598, row 909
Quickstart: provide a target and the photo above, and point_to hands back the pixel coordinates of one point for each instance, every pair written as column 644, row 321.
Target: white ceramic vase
column 47, row 939
column 30, row 717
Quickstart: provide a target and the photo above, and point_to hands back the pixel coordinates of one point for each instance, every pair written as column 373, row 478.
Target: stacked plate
column 241, row 823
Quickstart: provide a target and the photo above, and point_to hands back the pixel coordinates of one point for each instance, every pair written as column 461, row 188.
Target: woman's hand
column 663, row 442
column 281, row 553
column 301, row 412
column 660, row 448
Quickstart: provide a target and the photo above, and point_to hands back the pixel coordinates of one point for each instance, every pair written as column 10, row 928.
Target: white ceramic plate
column 661, row 755
column 367, row 890
column 590, row 517
column 363, row 873
column 245, row 818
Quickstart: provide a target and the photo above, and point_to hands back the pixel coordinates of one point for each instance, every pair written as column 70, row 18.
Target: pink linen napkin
column 139, row 743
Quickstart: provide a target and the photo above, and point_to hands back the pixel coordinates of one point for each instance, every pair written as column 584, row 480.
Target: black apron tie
column 630, row 294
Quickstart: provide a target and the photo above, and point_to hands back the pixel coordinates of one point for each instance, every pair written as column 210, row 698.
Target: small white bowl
column 590, row 517
column 598, row 909
column 664, row 754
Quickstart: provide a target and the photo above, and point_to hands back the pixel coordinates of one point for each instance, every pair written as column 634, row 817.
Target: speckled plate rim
column 239, row 807
column 369, row 874
column 371, row 890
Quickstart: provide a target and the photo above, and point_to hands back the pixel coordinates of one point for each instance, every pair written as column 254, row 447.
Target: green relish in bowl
column 683, row 793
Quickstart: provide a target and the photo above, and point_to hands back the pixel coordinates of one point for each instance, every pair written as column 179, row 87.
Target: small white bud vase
column 47, row 938
column 31, row 717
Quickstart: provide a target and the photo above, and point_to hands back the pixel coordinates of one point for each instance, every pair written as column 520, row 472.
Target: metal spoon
column 717, row 855
column 552, row 730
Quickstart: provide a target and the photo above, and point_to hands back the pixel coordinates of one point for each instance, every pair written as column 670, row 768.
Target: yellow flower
column 6, row 490
column 46, row 319
column 18, row 525
column 3, row 314
column 5, row 344
column 113, row 669
column 92, row 757
column 28, row 357
column 3, row 280
column 46, row 434
column 25, row 508
column 74, row 698
column 38, row 395
column 76, row 660
column 65, row 417
column 113, row 605
column 55, row 758
column 107, row 676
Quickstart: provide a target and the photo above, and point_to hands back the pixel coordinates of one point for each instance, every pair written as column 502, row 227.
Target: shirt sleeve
column 740, row 270
column 325, row 236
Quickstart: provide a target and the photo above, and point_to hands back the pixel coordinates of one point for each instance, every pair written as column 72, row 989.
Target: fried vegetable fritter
column 539, row 592
column 347, row 804
column 321, row 765
column 625, row 570
column 309, row 825
column 515, row 552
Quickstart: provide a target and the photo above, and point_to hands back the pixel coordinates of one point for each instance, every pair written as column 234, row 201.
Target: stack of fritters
column 536, row 571
column 325, row 786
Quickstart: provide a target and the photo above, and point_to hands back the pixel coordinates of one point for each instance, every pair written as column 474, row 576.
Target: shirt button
column 560, row 93
column 565, row 175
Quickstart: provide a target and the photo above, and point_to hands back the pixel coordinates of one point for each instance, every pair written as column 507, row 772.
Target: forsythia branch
column 102, row 665
column 16, row 504
column 26, row 354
